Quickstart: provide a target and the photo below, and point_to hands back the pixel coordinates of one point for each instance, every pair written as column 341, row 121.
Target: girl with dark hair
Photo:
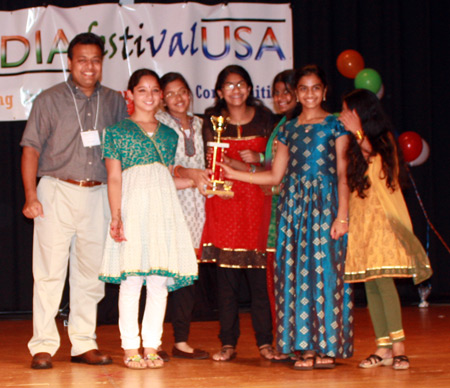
column 232, row 228
column 313, row 304
column 286, row 105
column 381, row 243
column 149, row 240
column 189, row 162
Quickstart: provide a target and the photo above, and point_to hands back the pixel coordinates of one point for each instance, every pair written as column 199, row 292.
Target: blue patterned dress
column 313, row 304
column 158, row 239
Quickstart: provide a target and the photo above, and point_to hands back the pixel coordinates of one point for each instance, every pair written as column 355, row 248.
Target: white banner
column 193, row 39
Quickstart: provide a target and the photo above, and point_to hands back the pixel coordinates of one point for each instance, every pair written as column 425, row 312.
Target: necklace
column 189, row 144
column 308, row 124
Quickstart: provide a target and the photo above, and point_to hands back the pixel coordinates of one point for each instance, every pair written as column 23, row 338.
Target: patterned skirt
column 158, row 239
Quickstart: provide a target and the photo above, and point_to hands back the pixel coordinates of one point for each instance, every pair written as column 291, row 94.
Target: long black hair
column 379, row 131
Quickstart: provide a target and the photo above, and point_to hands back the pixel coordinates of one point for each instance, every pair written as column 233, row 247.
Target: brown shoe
column 92, row 357
column 198, row 354
column 42, row 361
column 163, row 354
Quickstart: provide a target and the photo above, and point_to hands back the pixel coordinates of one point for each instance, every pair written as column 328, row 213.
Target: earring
column 324, row 98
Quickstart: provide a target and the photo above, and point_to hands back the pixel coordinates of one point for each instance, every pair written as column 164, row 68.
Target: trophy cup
column 215, row 154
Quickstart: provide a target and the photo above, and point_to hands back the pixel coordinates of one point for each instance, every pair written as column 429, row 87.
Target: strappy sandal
column 129, row 362
column 324, row 365
column 150, row 361
column 267, row 352
column 374, row 361
column 227, row 353
column 281, row 357
column 397, row 362
column 305, row 359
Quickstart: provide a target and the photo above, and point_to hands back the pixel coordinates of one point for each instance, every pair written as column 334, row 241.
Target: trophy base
column 222, row 193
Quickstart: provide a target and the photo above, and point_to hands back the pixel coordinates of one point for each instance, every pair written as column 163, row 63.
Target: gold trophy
column 215, row 154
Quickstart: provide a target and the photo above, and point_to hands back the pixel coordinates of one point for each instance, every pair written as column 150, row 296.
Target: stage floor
column 428, row 347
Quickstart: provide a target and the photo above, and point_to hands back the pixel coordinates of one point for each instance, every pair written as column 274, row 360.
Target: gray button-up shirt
column 53, row 130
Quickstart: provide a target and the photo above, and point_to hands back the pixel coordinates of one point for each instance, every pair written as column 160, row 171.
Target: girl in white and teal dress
column 313, row 304
column 149, row 240
column 189, row 163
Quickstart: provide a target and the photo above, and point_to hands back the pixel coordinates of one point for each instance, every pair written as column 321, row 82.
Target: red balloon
column 411, row 145
column 350, row 63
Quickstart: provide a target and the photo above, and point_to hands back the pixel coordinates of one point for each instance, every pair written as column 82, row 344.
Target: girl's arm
column 181, row 183
column 352, row 123
column 199, row 177
column 114, row 170
column 340, row 224
column 269, row 177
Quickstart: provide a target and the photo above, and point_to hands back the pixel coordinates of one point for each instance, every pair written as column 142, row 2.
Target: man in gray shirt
column 61, row 145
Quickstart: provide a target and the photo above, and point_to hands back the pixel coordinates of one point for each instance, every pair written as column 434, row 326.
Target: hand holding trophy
column 215, row 154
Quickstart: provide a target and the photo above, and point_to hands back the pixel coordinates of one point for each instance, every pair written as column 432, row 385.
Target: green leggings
column 385, row 311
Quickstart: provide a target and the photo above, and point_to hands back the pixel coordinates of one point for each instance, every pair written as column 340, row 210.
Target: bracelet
column 359, row 134
column 252, row 168
column 344, row 221
column 275, row 190
column 261, row 158
column 176, row 172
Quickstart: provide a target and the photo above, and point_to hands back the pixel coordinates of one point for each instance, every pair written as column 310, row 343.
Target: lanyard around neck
column 78, row 113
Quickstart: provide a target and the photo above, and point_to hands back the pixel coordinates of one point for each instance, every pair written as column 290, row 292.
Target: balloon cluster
column 350, row 64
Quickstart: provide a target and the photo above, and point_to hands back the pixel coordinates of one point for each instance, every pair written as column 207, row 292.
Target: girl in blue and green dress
column 313, row 304
column 149, row 240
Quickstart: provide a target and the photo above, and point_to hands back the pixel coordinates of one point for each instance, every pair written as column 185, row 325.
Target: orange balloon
column 350, row 63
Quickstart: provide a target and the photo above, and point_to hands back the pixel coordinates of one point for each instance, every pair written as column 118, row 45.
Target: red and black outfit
column 231, row 235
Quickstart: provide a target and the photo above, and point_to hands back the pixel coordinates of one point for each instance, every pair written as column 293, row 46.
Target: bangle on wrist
column 261, row 158
column 176, row 172
column 359, row 134
column 252, row 168
column 275, row 190
column 344, row 221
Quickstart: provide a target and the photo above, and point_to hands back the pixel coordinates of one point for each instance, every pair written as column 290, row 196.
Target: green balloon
column 368, row 79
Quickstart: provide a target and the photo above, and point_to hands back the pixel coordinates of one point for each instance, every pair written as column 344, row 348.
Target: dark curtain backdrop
column 407, row 42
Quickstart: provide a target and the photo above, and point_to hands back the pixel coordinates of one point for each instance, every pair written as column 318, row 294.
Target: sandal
column 374, row 361
column 305, row 360
column 227, row 353
column 130, row 362
column 397, row 363
column 324, row 365
column 267, row 352
column 281, row 357
column 150, row 361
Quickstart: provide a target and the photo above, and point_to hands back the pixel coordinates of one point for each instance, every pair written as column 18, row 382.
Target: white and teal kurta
column 158, row 239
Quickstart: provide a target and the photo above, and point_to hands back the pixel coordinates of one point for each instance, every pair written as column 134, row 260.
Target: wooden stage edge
column 428, row 347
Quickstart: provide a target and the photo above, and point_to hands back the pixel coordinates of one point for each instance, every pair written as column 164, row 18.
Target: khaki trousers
column 75, row 220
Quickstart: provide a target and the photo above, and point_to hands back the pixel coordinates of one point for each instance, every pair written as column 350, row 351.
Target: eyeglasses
column 230, row 85
column 181, row 93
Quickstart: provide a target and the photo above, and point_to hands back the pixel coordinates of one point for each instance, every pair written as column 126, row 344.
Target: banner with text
column 193, row 39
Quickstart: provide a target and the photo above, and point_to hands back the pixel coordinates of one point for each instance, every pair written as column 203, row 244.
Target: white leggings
column 155, row 307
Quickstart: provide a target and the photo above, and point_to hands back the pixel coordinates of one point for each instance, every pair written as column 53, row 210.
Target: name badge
column 90, row 138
